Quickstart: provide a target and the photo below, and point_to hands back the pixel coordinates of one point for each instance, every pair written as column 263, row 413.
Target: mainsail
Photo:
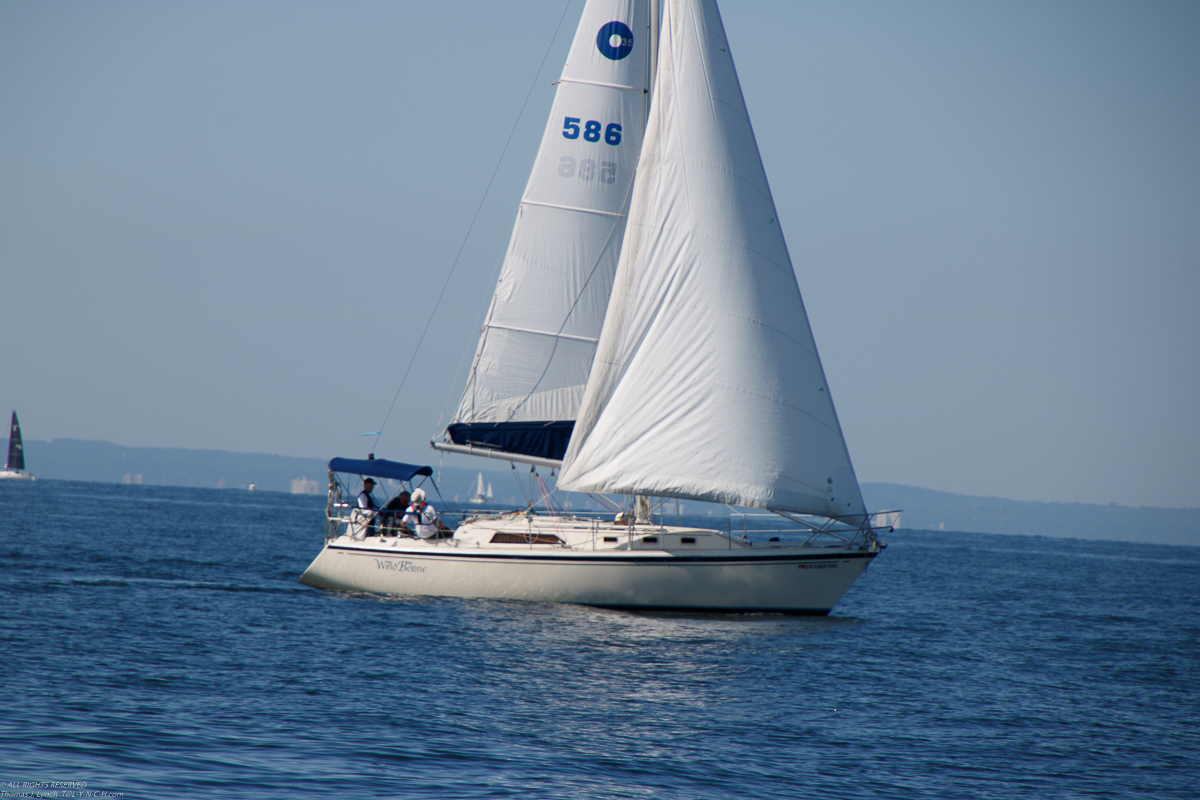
column 536, row 349
column 706, row 383
column 16, row 453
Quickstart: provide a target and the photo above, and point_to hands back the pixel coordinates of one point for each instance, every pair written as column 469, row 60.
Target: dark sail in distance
column 16, row 453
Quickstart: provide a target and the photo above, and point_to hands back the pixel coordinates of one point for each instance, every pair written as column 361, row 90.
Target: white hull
column 13, row 475
column 646, row 567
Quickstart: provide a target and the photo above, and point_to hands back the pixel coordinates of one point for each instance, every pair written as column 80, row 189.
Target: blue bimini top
column 378, row 468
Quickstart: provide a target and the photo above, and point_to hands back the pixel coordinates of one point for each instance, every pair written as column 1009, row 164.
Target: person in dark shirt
column 367, row 503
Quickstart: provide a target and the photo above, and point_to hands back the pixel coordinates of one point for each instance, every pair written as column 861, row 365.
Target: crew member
column 422, row 515
column 392, row 512
column 367, row 503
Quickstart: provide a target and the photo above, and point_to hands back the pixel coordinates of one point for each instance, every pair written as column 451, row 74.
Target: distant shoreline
column 924, row 509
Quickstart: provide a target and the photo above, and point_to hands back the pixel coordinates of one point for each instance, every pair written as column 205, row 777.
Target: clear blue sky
column 223, row 225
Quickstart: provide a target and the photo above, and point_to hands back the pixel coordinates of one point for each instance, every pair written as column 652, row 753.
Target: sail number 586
column 591, row 130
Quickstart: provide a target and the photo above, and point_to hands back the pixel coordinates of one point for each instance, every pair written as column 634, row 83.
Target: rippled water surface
column 157, row 644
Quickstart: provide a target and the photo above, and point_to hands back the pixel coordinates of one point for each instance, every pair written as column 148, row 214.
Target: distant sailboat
column 482, row 493
column 886, row 520
column 647, row 338
column 14, row 468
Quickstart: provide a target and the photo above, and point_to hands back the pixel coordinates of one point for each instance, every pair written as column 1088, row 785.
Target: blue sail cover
column 378, row 468
column 539, row 439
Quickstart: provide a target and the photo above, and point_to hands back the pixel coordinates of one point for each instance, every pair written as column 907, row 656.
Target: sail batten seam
column 561, row 207
column 598, row 83
column 550, row 334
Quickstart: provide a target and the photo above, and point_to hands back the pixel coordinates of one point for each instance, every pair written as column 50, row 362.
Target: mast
column 651, row 69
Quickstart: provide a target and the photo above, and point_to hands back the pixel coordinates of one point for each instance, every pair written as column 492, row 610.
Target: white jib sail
column 706, row 383
column 537, row 343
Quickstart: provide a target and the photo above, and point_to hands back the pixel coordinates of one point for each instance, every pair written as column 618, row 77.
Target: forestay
column 540, row 334
column 706, row 382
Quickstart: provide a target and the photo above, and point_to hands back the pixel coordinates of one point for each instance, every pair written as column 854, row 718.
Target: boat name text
column 398, row 566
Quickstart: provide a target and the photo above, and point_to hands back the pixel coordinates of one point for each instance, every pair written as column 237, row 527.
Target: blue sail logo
column 615, row 40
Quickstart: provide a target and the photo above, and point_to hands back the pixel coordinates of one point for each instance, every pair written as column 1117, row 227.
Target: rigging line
column 604, row 501
column 481, row 317
column 520, row 486
column 553, row 347
column 546, row 493
column 471, row 227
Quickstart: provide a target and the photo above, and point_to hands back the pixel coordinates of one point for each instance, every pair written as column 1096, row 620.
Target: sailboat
column 483, row 494
column 14, row 467
column 646, row 339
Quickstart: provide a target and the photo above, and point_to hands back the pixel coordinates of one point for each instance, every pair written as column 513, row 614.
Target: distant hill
column 927, row 509
column 106, row 462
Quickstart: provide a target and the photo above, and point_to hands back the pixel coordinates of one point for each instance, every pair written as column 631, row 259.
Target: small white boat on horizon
column 14, row 466
column 483, row 494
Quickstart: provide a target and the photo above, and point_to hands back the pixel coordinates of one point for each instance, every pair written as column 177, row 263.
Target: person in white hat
column 422, row 515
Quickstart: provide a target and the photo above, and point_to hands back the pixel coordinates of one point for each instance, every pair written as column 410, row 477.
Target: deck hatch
column 525, row 538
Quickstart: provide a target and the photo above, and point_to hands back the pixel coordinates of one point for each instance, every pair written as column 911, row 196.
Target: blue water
column 156, row 643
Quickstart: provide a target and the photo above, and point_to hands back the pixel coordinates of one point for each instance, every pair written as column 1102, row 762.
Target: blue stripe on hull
column 798, row 612
column 600, row 559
